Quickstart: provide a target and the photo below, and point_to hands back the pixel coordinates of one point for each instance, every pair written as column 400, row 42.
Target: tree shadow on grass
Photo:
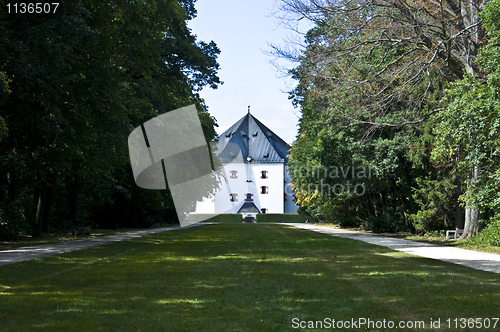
column 236, row 278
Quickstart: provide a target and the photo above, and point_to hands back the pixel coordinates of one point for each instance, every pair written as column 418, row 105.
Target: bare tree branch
column 372, row 55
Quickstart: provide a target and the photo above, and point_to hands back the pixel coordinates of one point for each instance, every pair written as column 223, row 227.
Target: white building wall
column 249, row 180
column 229, row 186
column 206, row 206
column 273, row 200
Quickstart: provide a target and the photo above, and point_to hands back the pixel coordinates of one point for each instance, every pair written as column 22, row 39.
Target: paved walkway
column 475, row 259
column 25, row 253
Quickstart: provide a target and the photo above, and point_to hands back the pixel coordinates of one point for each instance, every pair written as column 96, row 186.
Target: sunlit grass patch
column 235, row 277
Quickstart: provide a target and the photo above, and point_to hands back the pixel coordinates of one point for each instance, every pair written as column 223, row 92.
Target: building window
column 234, row 174
column 249, row 198
column 264, row 174
column 285, row 197
column 234, row 197
column 263, row 210
column 264, row 190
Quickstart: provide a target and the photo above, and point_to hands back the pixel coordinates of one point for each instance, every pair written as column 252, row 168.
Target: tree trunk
column 11, row 185
column 471, row 222
column 382, row 199
column 41, row 195
column 372, row 205
column 349, row 209
column 74, row 202
column 366, row 207
column 48, row 204
column 408, row 222
column 471, row 211
column 459, row 221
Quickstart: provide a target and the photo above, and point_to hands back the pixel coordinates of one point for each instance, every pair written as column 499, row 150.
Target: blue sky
column 243, row 29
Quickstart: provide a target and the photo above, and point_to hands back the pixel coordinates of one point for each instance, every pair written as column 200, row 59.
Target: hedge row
column 224, row 218
column 269, row 217
column 236, row 218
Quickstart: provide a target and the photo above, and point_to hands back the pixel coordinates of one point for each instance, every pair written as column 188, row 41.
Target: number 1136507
column 462, row 323
column 32, row 8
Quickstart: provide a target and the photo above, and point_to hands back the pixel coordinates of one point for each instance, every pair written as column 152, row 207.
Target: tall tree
column 383, row 64
column 470, row 127
column 379, row 51
column 79, row 81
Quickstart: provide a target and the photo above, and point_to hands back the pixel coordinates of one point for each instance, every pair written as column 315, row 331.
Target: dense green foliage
column 397, row 115
column 469, row 130
column 270, row 217
column 223, row 218
column 490, row 236
column 75, row 83
column 351, row 173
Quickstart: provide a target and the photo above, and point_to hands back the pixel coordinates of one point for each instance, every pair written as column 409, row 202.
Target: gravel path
column 32, row 252
column 475, row 259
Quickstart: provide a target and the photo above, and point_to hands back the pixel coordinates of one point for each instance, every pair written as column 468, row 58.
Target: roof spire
column 248, row 109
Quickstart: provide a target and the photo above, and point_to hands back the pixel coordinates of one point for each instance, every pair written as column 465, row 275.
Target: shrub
column 385, row 223
column 270, row 217
column 225, row 218
column 490, row 236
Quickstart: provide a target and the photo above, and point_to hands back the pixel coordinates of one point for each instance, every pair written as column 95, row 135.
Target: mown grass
column 243, row 277
column 64, row 236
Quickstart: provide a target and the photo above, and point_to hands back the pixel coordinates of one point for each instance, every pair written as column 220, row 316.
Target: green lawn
column 64, row 236
column 237, row 277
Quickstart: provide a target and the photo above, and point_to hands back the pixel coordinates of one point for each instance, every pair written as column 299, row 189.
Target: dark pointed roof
column 248, row 207
column 251, row 138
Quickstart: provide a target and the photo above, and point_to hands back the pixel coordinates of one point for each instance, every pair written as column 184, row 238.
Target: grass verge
column 241, row 277
column 435, row 238
column 57, row 237
column 465, row 244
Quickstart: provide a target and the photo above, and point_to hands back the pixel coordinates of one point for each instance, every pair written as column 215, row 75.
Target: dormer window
column 255, row 133
column 228, row 134
column 266, row 155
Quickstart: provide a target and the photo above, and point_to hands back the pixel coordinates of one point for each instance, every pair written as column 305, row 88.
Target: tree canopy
column 75, row 83
column 407, row 88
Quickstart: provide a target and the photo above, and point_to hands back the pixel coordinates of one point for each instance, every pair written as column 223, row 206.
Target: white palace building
column 255, row 173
